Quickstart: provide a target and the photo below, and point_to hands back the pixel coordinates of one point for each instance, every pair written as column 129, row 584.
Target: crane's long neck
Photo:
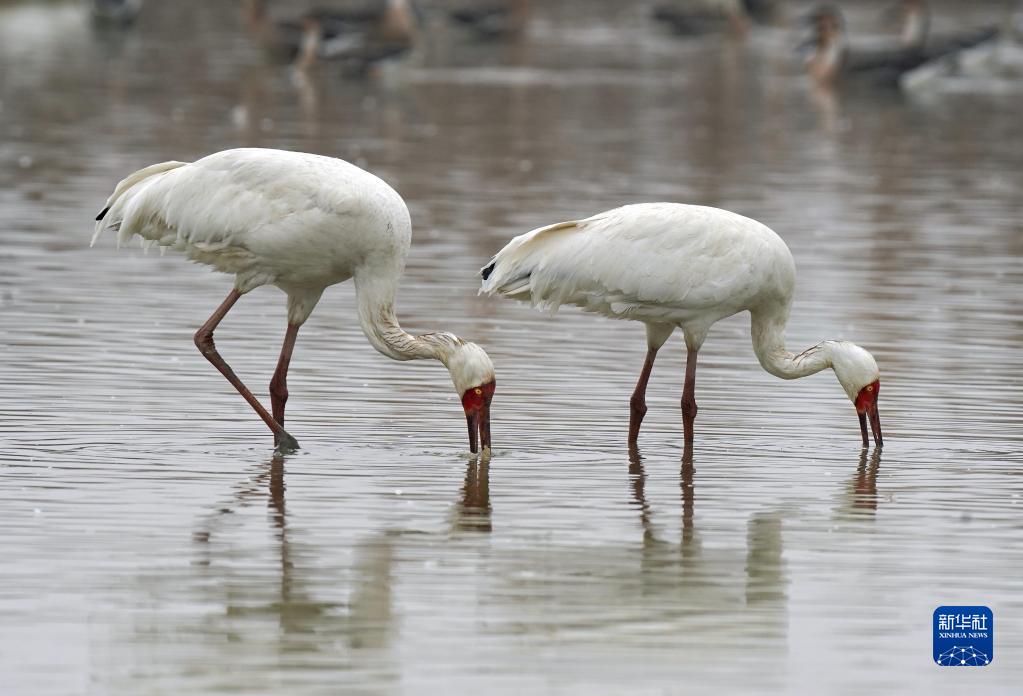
column 768, row 329
column 375, row 294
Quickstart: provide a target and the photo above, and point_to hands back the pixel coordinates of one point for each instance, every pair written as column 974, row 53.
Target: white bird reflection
column 283, row 609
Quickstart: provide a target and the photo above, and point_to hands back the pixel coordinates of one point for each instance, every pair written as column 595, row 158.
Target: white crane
column 669, row 266
column 300, row 222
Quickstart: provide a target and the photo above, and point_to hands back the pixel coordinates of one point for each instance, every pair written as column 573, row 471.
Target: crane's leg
column 279, row 383
column 638, row 402
column 689, row 397
column 204, row 342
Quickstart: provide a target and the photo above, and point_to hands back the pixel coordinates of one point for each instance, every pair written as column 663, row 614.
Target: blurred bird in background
column 493, row 19
column 698, row 17
column 831, row 56
column 991, row 64
column 358, row 37
column 115, row 12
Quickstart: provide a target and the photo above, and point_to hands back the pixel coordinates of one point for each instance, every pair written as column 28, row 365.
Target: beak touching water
column 476, row 402
column 866, row 409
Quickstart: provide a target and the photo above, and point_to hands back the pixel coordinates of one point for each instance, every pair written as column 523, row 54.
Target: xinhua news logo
column 964, row 636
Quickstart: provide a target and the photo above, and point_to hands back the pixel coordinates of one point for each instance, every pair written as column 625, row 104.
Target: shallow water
column 153, row 543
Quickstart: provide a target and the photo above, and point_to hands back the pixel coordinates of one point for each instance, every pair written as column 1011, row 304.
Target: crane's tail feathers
column 526, row 270
column 113, row 213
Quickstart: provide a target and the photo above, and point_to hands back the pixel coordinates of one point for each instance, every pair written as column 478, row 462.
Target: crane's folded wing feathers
column 648, row 261
column 208, row 212
column 191, row 207
column 266, row 216
column 112, row 215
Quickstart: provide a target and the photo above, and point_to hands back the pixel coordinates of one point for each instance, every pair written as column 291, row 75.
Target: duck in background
column 358, row 37
column 280, row 39
column 992, row 65
column 115, row 12
column 916, row 31
column 362, row 38
column 832, row 57
column 698, row 17
column 497, row 19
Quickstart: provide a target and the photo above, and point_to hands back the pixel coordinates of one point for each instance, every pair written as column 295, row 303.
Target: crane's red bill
column 866, row 409
column 476, row 403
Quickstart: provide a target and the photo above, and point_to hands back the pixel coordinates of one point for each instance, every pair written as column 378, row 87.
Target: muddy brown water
column 153, row 544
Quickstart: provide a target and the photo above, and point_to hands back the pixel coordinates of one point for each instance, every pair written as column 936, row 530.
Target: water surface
column 154, row 544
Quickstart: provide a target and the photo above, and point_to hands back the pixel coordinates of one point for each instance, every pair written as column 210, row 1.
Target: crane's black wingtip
column 488, row 270
column 102, row 213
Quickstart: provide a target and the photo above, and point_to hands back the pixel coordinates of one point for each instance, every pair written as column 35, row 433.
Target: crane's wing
column 234, row 198
column 248, row 211
column 112, row 215
column 641, row 261
column 227, row 210
column 218, row 202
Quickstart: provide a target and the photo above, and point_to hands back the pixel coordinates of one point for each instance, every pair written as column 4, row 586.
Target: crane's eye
column 870, row 387
column 478, row 391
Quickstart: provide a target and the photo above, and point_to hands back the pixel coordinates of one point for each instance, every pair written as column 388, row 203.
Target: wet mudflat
column 152, row 543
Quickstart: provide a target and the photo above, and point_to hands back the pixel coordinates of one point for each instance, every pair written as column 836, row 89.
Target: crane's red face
column 866, row 409
column 476, row 402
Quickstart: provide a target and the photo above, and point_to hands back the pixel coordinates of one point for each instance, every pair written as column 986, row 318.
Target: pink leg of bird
column 204, row 342
column 638, row 402
column 689, row 397
column 279, row 383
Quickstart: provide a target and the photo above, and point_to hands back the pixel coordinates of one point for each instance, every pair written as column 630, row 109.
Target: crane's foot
column 284, row 443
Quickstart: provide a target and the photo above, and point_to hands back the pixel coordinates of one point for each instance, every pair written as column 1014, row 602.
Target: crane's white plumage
column 656, row 262
column 670, row 265
column 298, row 221
column 301, row 222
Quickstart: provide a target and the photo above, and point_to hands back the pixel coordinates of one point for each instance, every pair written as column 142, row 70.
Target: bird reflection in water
column 765, row 566
column 861, row 497
column 637, row 476
column 365, row 621
column 765, row 577
column 688, row 497
column 473, row 510
column 659, row 561
column 720, row 581
column 637, row 480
